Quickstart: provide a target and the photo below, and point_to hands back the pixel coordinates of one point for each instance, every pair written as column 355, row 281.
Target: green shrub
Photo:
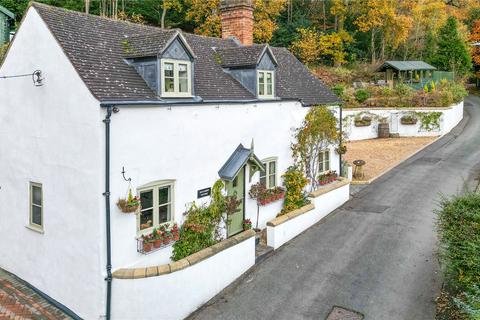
column 201, row 228
column 338, row 89
column 294, row 182
column 459, row 234
column 361, row 95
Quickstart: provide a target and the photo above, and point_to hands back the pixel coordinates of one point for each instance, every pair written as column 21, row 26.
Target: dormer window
column 265, row 80
column 176, row 78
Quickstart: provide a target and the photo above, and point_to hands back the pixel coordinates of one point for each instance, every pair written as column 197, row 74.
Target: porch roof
column 237, row 160
column 405, row 66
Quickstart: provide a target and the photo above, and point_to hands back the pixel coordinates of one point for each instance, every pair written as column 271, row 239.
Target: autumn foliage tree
column 475, row 50
column 312, row 46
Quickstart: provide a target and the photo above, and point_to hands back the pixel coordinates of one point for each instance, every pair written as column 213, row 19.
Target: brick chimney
column 237, row 20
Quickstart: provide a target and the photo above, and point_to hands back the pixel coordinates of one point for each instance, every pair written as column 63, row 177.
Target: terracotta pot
column 157, row 243
column 166, row 240
column 176, row 236
column 147, row 246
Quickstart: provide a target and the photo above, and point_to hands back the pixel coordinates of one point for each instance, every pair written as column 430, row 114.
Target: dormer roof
column 153, row 44
column 244, row 56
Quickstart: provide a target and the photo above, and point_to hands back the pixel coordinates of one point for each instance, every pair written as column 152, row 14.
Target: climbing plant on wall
column 318, row 132
column 204, row 223
column 430, row 120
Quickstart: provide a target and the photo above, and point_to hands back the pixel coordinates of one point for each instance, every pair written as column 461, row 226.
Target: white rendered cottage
column 173, row 111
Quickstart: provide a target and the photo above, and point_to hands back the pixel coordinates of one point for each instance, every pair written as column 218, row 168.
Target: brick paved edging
column 154, row 271
column 19, row 300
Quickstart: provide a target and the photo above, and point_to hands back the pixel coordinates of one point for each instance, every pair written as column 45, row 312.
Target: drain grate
column 339, row 313
column 374, row 208
column 428, row 160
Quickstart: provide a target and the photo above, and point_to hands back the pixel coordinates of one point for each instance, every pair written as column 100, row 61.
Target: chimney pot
column 237, row 20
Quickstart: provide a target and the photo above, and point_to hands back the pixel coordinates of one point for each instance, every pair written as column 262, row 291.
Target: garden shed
column 413, row 73
column 7, row 20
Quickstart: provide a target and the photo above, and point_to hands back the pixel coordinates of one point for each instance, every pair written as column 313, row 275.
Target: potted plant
column 129, row 205
column 247, row 224
column 147, row 242
column 157, row 238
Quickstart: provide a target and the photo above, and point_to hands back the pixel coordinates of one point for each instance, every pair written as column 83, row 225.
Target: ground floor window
column 36, row 206
column 324, row 161
column 269, row 177
column 156, row 206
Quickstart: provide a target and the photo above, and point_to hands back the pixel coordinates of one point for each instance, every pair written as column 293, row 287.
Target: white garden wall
column 175, row 295
column 450, row 118
column 52, row 135
column 279, row 234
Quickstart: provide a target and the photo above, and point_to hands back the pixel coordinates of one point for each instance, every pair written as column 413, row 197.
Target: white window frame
column 31, row 224
column 323, row 152
column 265, row 95
column 176, row 91
column 266, row 163
column 154, row 187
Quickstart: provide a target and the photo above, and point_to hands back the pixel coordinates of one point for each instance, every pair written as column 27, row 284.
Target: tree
column 307, row 46
column 332, row 47
column 372, row 15
column 265, row 16
column 430, row 47
column 452, row 52
column 318, row 132
column 475, row 50
column 205, row 15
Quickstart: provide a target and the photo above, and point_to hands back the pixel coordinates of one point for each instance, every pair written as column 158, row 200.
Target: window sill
column 36, row 229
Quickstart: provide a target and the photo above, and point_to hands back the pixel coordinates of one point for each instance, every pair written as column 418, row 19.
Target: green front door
column 237, row 188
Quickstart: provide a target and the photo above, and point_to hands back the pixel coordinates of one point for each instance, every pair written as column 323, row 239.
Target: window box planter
column 271, row 198
column 363, row 122
column 144, row 247
column 408, row 120
column 327, row 178
column 160, row 237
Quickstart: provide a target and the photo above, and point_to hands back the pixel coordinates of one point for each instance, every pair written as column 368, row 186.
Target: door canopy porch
column 239, row 158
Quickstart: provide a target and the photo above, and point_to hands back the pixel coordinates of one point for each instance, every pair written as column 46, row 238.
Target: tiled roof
column 240, row 56
column 97, row 48
column 406, row 65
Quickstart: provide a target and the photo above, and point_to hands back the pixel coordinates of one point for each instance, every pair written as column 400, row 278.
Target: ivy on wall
column 430, row 120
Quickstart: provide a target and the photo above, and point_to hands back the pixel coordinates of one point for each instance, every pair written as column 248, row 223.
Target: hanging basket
column 128, row 207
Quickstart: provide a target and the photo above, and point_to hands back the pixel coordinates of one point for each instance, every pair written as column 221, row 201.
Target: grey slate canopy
column 405, row 66
column 98, row 47
column 237, row 160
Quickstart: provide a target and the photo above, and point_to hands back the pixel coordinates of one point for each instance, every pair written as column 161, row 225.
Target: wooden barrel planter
column 383, row 130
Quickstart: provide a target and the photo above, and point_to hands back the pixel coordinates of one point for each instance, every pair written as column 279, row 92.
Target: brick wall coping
column 290, row 215
column 399, row 108
column 329, row 187
column 153, row 271
column 295, row 213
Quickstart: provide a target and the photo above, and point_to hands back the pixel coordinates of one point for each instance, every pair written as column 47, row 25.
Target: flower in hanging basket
column 129, row 205
column 342, row 149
